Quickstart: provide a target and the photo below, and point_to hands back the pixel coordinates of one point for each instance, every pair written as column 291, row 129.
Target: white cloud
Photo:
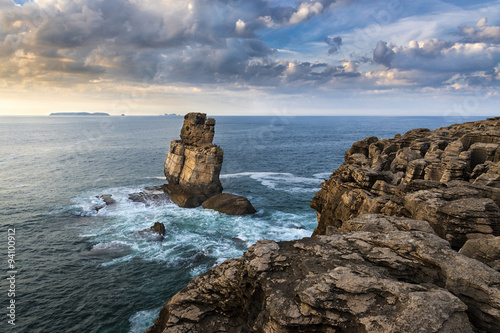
column 306, row 11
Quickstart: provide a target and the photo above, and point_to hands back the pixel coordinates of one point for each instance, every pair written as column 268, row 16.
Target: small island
column 79, row 114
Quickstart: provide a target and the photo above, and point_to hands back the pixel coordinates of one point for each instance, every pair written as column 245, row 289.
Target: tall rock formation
column 449, row 177
column 193, row 164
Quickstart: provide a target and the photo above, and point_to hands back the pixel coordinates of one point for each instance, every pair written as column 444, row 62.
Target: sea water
column 82, row 270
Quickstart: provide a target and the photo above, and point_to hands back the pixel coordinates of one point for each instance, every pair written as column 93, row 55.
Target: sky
column 250, row 57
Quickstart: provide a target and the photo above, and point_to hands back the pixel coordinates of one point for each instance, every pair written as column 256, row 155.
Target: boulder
column 449, row 177
column 375, row 274
column 230, row 204
column 106, row 201
column 158, row 228
column 107, row 198
column 486, row 250
column 193, row 164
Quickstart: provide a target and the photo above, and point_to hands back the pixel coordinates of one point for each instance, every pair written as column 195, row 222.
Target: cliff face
column 193, row 164
column 449, row 177
column 378, row 274
column 367, row 272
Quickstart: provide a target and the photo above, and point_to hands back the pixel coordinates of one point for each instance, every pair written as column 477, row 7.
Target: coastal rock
column 106, row 201
column 375, row 274
column 158, row 228
column 230, row 204
column 449, row 177
column 155, row 233
column 107, row 198
column 486, row 250
column 152, row 195
column 193, row 164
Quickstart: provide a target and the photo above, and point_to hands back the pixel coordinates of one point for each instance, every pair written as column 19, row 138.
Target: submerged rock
column 389, row 275
column 107, row 200
column 449, row 177
column 152, row 195
column 230, row 204
column 110, row 250
column 193, row 164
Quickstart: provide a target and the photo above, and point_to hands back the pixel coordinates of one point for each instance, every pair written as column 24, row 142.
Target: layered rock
column 375, row 274
column 230, row 204
column 449, row 177
column 484, row 250
column 392, row 269
column 193, row 164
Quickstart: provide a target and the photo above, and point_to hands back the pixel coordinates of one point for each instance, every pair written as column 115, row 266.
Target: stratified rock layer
column 449, row 177
column 388, row 275
column 193, row 164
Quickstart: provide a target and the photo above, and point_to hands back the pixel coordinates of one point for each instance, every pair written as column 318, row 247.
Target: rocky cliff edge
column 364, row 271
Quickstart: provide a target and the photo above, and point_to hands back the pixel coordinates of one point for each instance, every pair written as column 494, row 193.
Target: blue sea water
column 79, row 270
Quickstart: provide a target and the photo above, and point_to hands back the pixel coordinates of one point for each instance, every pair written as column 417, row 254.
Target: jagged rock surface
column 375, row 274
column 485, row 250
column 449, row 177
column 230, row 204
column 193, row 164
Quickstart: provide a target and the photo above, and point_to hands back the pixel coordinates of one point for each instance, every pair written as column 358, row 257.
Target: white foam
column 141, row 320
column 195, row 239
column 280, row 181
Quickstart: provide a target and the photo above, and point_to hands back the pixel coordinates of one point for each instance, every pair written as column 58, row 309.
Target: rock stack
column 193, row 164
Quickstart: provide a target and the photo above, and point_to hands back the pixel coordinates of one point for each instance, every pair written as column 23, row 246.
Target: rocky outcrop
column 158, row 228
column 152, row 195
column 106, row 201
column 374, row 274
column 193, row 164
column 449, row 177
column 382, row 258
column 485, row 250
column 230, row 204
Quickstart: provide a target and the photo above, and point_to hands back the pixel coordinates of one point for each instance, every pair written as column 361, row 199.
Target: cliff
column 193, row 164
column 449, row 177
column 368, row 272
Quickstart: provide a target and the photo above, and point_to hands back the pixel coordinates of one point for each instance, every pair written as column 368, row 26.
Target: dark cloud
column 169, row 41
column 382, row 54
column 334, row 44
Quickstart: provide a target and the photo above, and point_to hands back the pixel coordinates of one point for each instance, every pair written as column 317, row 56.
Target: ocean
column 82, row 270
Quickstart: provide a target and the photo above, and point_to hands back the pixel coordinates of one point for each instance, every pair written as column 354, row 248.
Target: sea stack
column 193, row 164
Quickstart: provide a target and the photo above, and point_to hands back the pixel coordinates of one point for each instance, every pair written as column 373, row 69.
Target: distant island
column 171, row 115
column 79, row 114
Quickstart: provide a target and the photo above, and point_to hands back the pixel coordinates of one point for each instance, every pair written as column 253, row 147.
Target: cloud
column 481, row 32
column 334, row 42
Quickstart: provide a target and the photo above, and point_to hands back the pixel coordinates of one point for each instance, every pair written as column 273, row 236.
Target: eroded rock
column 193, row 164
column 388, row 275
column 449, row 177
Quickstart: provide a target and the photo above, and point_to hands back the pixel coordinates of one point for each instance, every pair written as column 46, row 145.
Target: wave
column 281, row 181
column 196, row 239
